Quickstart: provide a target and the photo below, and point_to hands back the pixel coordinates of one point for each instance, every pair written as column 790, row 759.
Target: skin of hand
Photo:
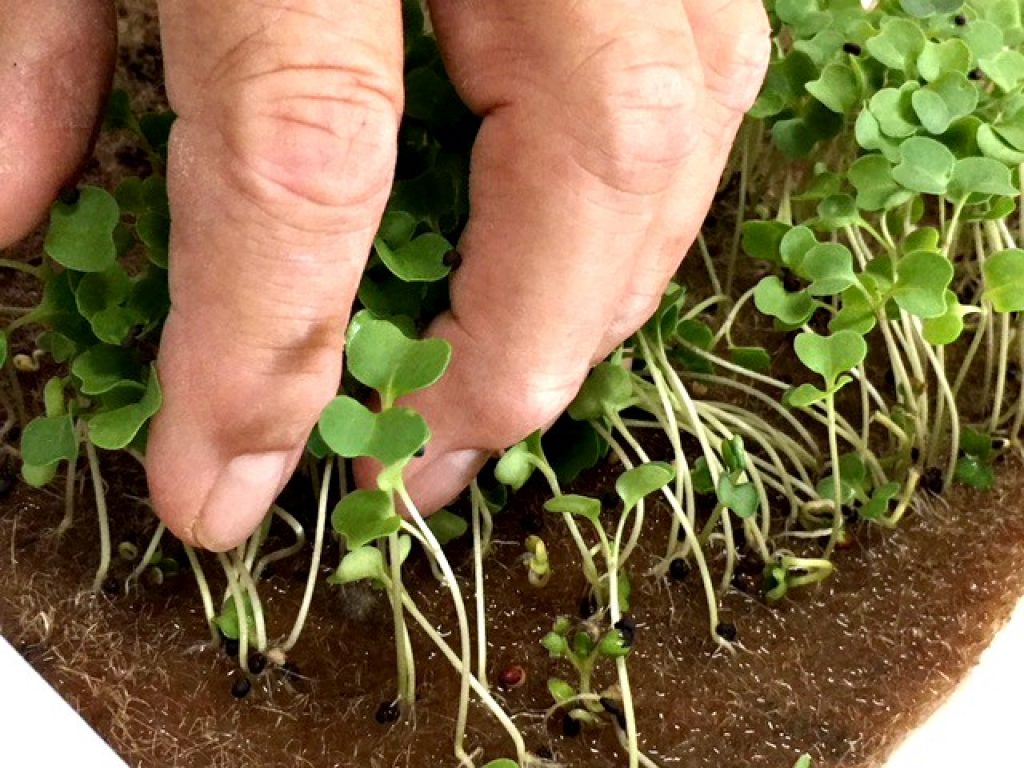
column 606, row 126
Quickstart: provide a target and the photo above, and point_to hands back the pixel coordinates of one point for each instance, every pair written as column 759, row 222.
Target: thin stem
column 314, row 566
column 246, row 580
column 833, row 447
column 147, row 556
column 403, row 647
column 240, row 609
column 284, row 552
column 69, row 498
column 209, row 612
column 20, row 266
column 477, row 503
column 101, row 515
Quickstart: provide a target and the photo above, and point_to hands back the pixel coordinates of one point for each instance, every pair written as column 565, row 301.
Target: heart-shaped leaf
column 791, row 309
column 925, row 166
column 363, row 564
column 830, row 356
column 979, row 178
column 938, row 59
column 829, row 268
column 950, row 97
column 391, row 436
column 81, row 235
column 947, row 327
column 104, row 367
column 418, row 261
column 878, row 505
column 898, row 44
column 382, row 357
column 761, row 239
column 608, row 389
column 871, row 176
column 837, row 88
column 642, row 480
column 922, row 278
column 114, row 429
column 1004, row 280
column 49, row 439
column 363, row 516
column 741, row 498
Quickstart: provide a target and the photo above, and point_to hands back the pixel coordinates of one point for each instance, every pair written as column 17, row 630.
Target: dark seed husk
column 588, row 606
column 512, row 677
column 231, row 647
column 452, row 259
column 726, row 631
column 241, row 687
column 571, row 727
column 627, row 627
column 679, row 569
column 387, row 712
column 960, row 20
column 69, row 195
column 974, row 74
column 257, row 662
column 421, row 452
column 612, row 707
column 853, row 49
column 933, row 480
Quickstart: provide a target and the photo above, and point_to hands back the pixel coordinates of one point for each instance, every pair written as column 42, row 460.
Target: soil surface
column 840, row 672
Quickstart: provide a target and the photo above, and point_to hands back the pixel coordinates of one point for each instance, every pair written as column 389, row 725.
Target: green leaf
column 947, row 327
column 418, row 261
column 950, row 97
column 804, row 396
column 794, row 137
column 700, row 476
column 856, row 313
column 1005, row 69
column 1004, row 280
column 829, row 356
column 642, row 480
column 115, row 429
column 382, row 357
column 837, row 88
column 795, row 244
column 878, row 505
column 363, row 516
column 518, row 462
column 893, row 109
column 868, row 132
column 992, row 145
column 555, row 644
column 980, row 177
column 734, row 454
column 829, row 268
column 925, row 166
column 922, row 278
column 447, row 526
column 871, row 176
column 81, row 235
column 154, row 230
column 573, row 504
column 898, row 45
column 3, row 348
column 752, row 358
column 791, row 309
column 391, row 436
column 49, row 439
column 973, row 472
column 741, row 498
column 805, row 760
column 938, row 59
column 761, row 239
column 103, row 368
column 560, row 690
column 976, row 443
column 363, row 564
column 502, row 763
column 922, row 9
column 607, row 389
column 37, row 477
column 983, row 38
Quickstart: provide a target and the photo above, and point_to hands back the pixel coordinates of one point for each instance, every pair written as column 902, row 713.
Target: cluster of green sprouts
column 858, row 345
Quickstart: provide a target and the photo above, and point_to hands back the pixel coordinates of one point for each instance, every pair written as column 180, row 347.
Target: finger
column 56, row 60
column 587, row 114
column 733, row 39
column 280, row 166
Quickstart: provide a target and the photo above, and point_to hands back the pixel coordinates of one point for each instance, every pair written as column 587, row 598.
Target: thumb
column 280, row 166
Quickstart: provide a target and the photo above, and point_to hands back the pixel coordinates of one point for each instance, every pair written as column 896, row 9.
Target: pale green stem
column 147, row 556
column 314, row 566
column 245, row 578
column 240, row 610
column 101, row 515
column 478, row 502
column 209, row 612
column 284, row 552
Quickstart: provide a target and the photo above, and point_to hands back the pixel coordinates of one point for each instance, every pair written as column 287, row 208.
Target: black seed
column 387, row 712
column 231, row 647
column 678, row 569
column 611, row 706
column 852, row 48
column 571, row 727
column 627, row 628
column 726, row 631
column 960, row 20
column 975, row 74
column 257, row 662
column 933, row 480
column 241, row 687
column 421, row 452
column 110, row 587
column 69, row 195
column 452, row 259
column 588, row 606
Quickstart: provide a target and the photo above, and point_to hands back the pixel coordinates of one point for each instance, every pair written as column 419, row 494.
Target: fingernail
column 437, row 481
column 239, row 499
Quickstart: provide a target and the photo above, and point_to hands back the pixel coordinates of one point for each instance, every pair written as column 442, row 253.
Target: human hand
column 606, row 127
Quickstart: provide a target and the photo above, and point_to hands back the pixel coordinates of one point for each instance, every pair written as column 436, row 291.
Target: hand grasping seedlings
column 604, row 133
